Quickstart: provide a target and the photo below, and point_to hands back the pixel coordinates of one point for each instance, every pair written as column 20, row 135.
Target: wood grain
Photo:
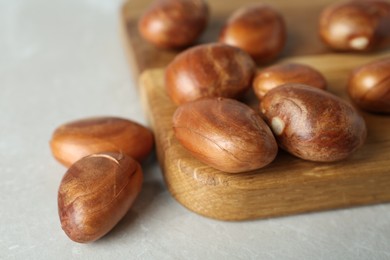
column 288, row 185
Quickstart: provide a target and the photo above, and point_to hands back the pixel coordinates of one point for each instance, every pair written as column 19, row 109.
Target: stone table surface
column 63, row 60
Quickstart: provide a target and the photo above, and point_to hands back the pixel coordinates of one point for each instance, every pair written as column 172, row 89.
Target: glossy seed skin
column 74, row 140
column 172, row 24
column 258, row 29
column 95, row 193
column 225, row 134
column 313, row 124
column 357, row 25
column 369, row 86
column 280, row 74
column 209, row 70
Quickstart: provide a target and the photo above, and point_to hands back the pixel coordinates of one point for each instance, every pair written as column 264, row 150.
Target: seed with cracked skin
column 225, row 134
column 369, row 86
column 74, row 140
column 358, row 25
column 209, row 70
column 174, row 23
column 95, row 193
column 313, row 124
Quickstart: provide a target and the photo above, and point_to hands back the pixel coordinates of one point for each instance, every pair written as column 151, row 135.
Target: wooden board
column 289, row 185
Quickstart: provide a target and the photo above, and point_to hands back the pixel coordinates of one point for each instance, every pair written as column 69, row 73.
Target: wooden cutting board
column 289, row 185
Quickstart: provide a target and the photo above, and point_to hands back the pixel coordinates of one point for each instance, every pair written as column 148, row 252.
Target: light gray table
column 63, row 60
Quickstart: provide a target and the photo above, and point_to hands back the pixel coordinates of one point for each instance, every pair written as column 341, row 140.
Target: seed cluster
column 296, row 113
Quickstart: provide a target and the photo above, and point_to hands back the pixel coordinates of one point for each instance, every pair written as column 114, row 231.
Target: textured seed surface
column 74, row 140
column 174, row 23
column 280, row 74
column 95, row 193
column 313, row 124
column 369, row 86
column 258, row 29
column 358, row 25
column 209, row 70
column 225, row 134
